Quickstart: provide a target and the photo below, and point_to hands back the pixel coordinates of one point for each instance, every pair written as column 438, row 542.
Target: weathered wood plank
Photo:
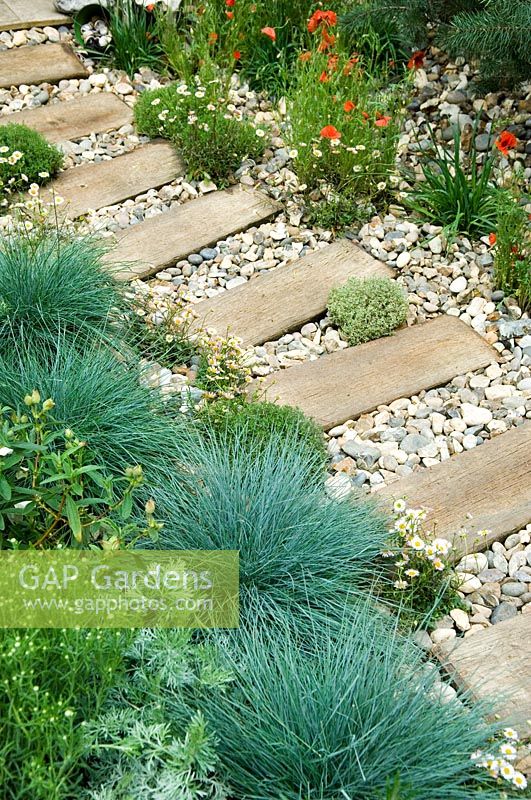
column 284, row 299
column 34, row 65
column 162, row 240
column 18, row 14
column 487, row 488
column 97, row 185
column 354, row 381
column 73, row 119
column 495, row 665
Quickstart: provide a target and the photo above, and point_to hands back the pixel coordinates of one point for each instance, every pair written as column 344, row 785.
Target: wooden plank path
column 94, row 186
column 495, row 665
column 166, row 238
column 284, row 299
column 487, row 488
column 356, row 380
column 39, row 63
column 72, row 119
column 17, row 14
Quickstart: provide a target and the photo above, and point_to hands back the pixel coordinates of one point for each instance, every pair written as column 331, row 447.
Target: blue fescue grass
column 101, row 399
column 298, row 548
column 50, row 284
column 340, row 716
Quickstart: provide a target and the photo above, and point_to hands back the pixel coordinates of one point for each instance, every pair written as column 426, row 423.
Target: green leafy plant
column 211, row 139
column 134, row 43
column 102, row 400
column 337, row 715
column 53, row 681
column 299, row 549
column 50, row 491
column 336, row 213
column 147, row 744
column 456, row 193
column 512, row 249
column 25, row 158
column 223, row 371
column 367, row 308
column 259, row 422
column 49, row 284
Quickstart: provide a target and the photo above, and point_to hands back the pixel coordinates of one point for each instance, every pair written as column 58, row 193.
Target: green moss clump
column 28, row 153
column 255, row 424
column 367, row 308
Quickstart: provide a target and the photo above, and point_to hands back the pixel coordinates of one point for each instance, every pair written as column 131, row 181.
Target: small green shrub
column 254, row 424
column 212, row 141
column 53, row 681
column 339, row 715
column 147, row 744
column 336, row 214
column 50, row 284
column 458, row 194
column 299, row 549
column 223, row 370
column 100, row 398
column 25, row 158
column 512, row 250
column 51, row 492
column 367, row 308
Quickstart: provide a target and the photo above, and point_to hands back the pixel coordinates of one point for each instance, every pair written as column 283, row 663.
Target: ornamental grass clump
column 25, row 158
column 341, row 715
column 367, row 308
column 299, row 549
column 50, row 284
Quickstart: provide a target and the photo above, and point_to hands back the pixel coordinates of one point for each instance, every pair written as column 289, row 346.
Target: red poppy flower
column 230, row 3
column 492, row 239
column 381, row 121
column 322, row 17
column 365, row 115
column 505, row 142
column 328, row 40
column 212, row 38
column 323, row 77
column 329, row 132
column 305, row 56
column 417, row 60
column 229, row 14
column 271, row 32
column 332, row 63
column 150, row 7
column 349, row 66
column 349, row 106
column 237, row 55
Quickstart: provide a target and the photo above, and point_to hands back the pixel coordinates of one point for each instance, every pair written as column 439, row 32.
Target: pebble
column 503, row 612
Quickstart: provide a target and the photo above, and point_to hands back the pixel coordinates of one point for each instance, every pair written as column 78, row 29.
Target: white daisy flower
column 510, row 733
column 399, row 506
column 507, row 770
column 508, row 751
column 519, row 780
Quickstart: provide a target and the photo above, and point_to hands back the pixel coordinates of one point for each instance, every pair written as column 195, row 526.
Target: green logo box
column 119, row 589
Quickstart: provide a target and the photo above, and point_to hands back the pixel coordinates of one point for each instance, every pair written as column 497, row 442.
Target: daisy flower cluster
column 419, row 560
column 499, row 762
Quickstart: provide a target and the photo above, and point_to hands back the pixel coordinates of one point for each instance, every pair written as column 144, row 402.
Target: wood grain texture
column 166, row 238
column 97, row 185
column 495, row 665
column 487, row 488
column 18, row 14
column 284, row 299
column 40, row 63
column 73, row 119
column 354, row 381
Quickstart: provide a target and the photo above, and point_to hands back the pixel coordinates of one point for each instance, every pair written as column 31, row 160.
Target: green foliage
column 456, row 192
column 338, row 716
column 254, row 424
column 498, row 35
column 337, row 213
column 134, row 43
column 367, row 308
column 299, row 549
column 50, row 284
column 102, row 400
column 512, row 250
column 140, row 749
column 25, row 158
column 52, row 683
column 212, row 141
column 50, row 491
column 223, row 371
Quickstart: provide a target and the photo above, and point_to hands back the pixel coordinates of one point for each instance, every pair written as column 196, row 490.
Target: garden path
column 18, row 14
column 491, row 482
